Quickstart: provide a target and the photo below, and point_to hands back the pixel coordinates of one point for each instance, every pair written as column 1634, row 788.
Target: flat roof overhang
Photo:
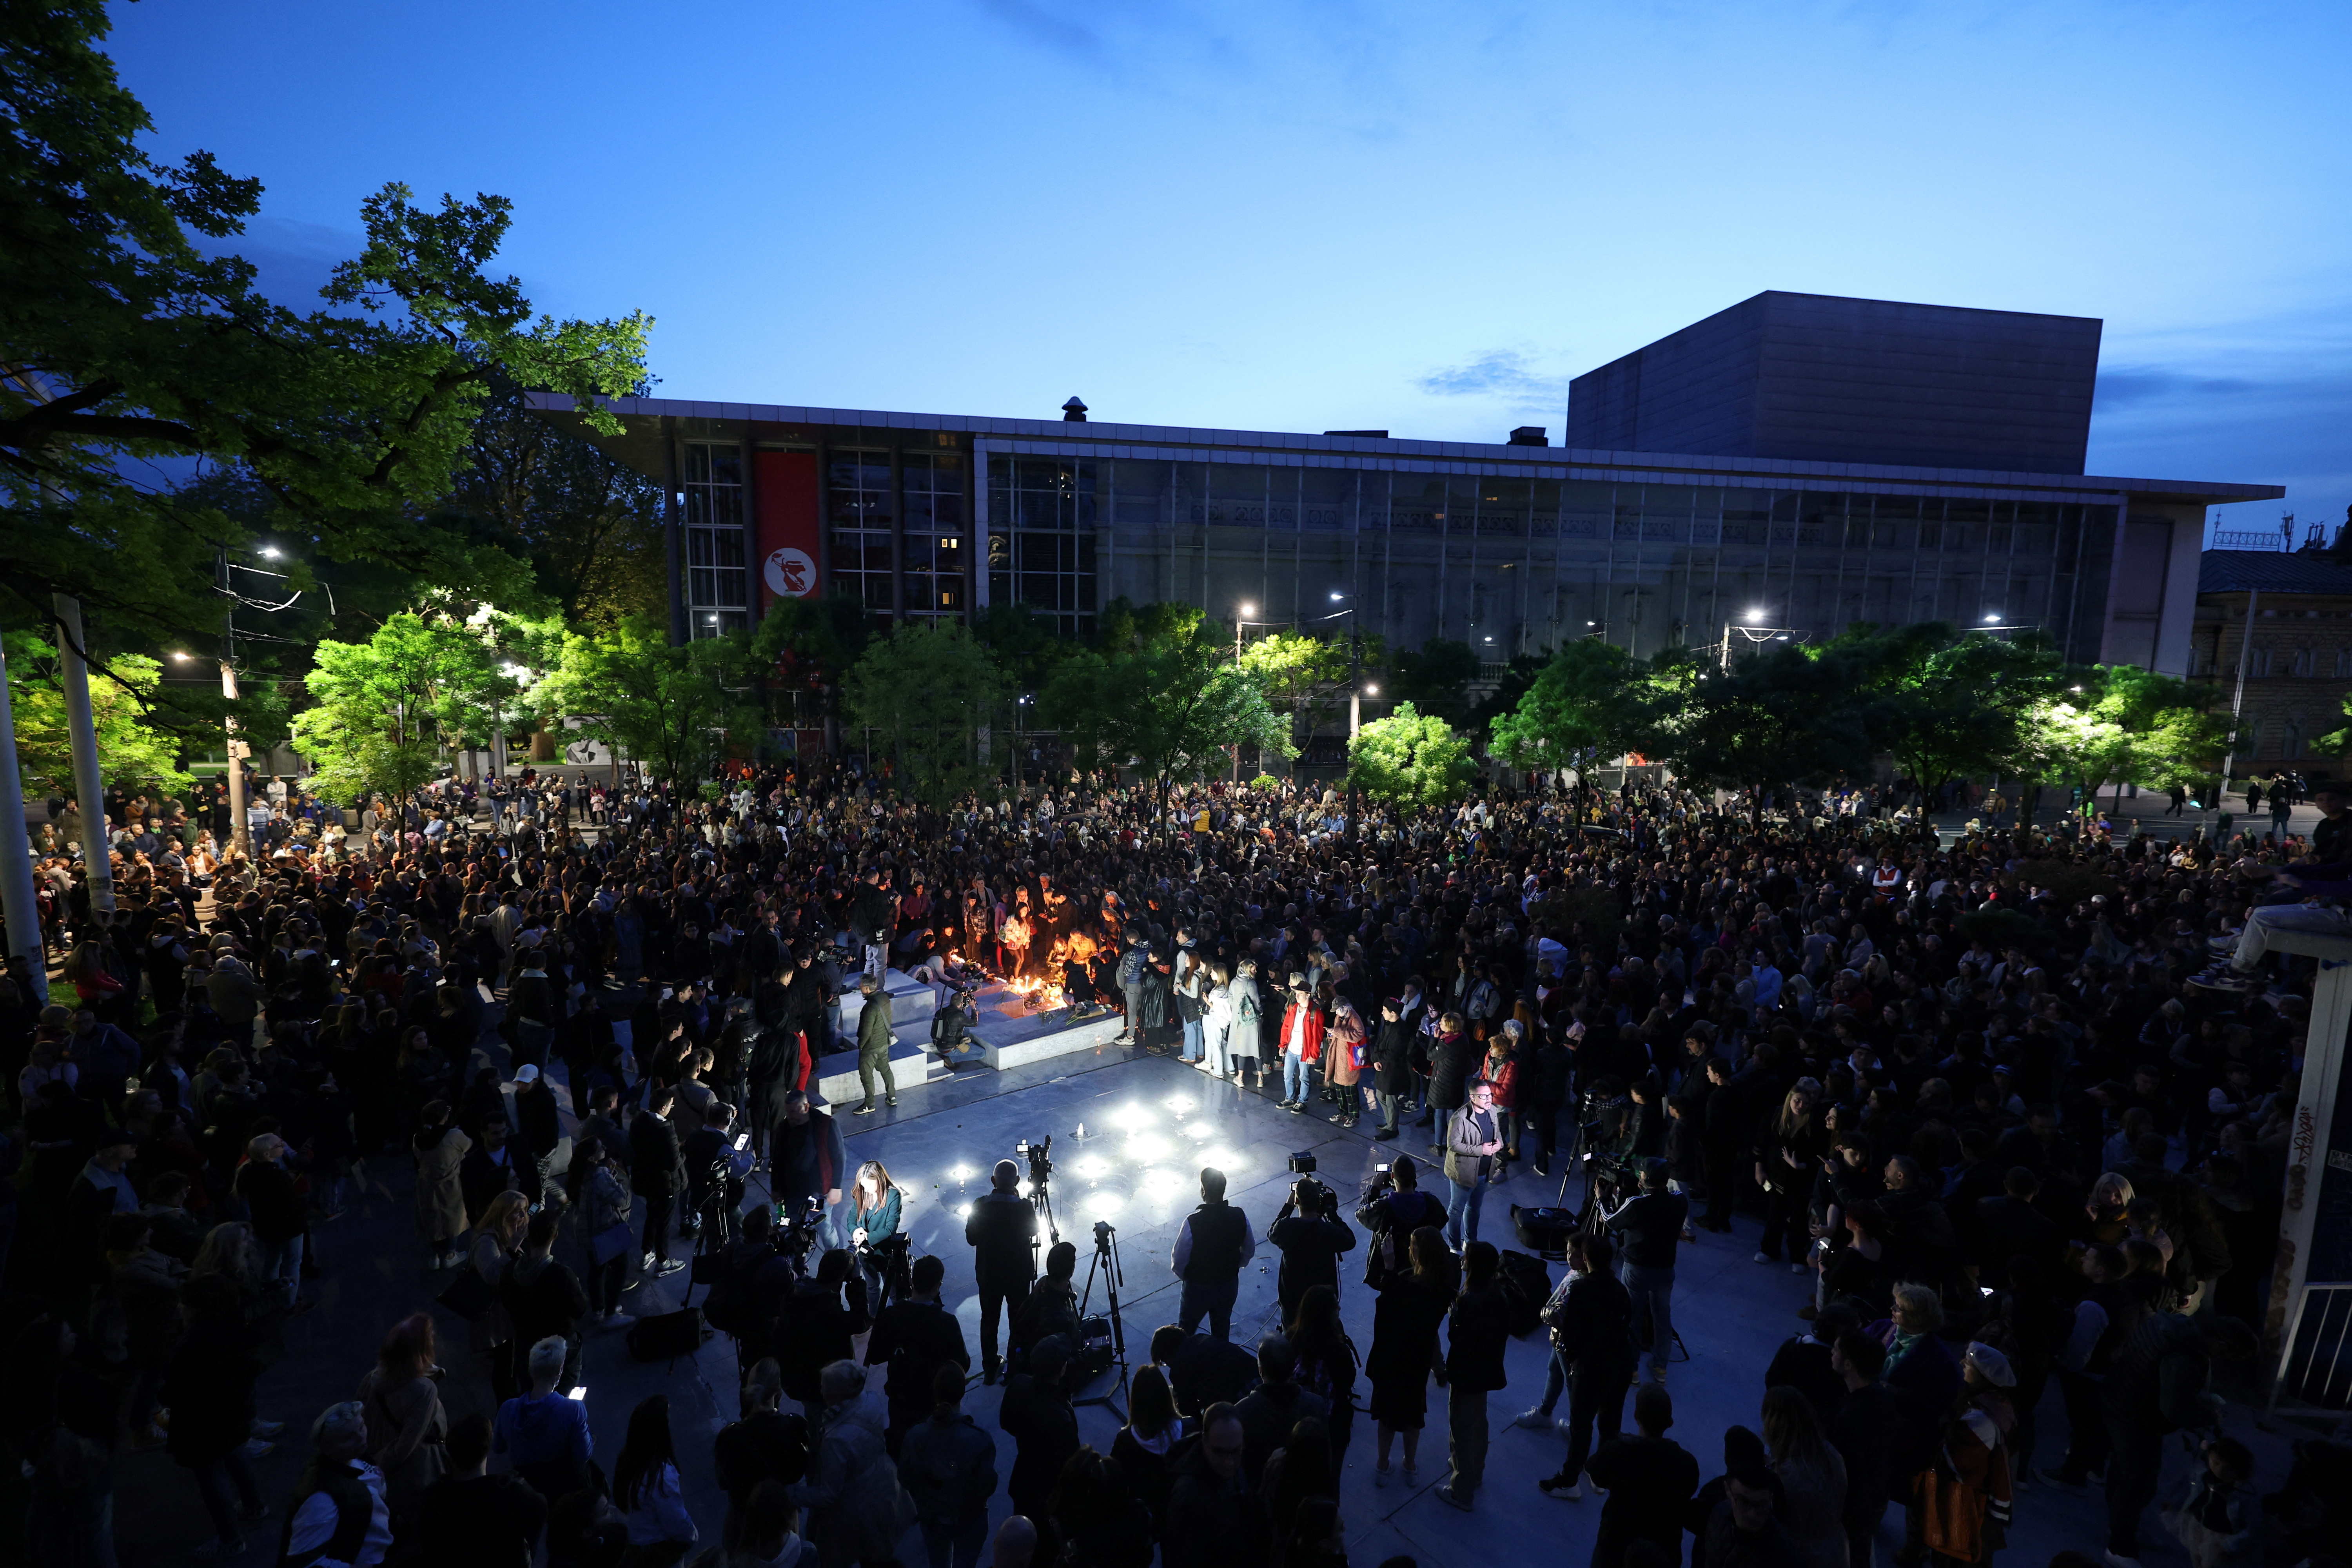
column 651, row 422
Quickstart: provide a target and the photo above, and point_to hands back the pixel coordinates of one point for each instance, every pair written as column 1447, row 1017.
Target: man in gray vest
column 1210, row 1248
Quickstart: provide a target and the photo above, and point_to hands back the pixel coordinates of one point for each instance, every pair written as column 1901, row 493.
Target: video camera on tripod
column 1040, row 1161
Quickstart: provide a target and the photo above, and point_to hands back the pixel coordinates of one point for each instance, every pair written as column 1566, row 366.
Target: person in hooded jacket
column 856, row 1509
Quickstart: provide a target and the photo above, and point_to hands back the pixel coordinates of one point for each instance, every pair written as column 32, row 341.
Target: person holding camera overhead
column 1213, row 1242
column 1311, row 1235
column 1000, row 1230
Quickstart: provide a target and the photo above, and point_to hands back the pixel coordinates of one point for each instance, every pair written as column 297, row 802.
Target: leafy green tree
column 675, row 710
column 1945, row 703
column 2117, row 723
column 1436, row 680
column 590, row 525
column 922, row 694
column 1169, row 708
column 1788, row 716
column 1124, row 626
column 386, row 708
column 136, row 752
column 128, row 348
column 1293, row 669
column 1587, row 706
column 1410, row 760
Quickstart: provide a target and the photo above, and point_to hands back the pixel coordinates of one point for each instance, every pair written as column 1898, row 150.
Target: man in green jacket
column 874, row 1043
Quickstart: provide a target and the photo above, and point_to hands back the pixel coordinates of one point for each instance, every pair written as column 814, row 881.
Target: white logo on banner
column 790, row 573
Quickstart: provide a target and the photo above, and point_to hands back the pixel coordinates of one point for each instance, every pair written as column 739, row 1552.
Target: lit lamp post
column 240, row 835
column 1241, row 622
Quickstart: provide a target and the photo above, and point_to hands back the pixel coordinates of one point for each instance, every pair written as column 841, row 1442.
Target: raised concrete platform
column 1012, row 1034
column 912, row 1002
column 912, row 1064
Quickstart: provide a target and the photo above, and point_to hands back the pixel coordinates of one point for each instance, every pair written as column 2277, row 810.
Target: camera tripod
column 1106, row 1262
column 1592, row 1218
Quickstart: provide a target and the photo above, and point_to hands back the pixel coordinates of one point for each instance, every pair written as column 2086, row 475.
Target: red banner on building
column 788, row 524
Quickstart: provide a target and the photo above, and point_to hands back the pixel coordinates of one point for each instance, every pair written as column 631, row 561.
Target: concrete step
column 912, row 1063
column 912, row 1002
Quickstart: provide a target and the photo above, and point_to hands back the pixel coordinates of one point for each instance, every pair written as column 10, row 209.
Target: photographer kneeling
column 1311, row 1235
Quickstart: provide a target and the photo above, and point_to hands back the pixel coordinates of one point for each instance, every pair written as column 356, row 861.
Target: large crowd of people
column 2008, row 1103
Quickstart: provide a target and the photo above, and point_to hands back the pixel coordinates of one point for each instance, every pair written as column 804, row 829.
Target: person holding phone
column 875, row 1217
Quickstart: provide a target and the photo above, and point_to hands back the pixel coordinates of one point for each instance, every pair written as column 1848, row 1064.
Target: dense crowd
column 2004, row 1102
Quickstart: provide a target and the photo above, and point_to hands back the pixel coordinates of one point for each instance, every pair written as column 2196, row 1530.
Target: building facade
column 1512, row 547
column 2286, row 620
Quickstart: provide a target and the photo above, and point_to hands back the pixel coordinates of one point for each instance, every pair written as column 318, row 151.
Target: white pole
column 90, row 786
column 17, row 904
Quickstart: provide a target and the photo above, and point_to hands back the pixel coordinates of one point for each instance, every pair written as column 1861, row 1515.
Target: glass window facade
column 716, row 586
column 1040, row 539
column 937, row 529
column 858, row 513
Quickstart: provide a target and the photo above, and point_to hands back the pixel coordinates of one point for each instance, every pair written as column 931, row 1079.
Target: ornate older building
column 2285, row 618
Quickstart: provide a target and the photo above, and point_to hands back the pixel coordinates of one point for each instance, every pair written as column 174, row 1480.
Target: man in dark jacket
column 1591, row 1317
column 1475, row 1333
column 914, row 1337
column 656, row 1173
column 1726, row 1135
column 806, row 1162
column 544, row 1299
column 1862, row 1430
column 767, row 1444
column 1392, row 1066
column 1272, row 1408
column 471, row 1519
column 1803, row 1362
column 1036, row 1414
column 999, row 1231
column 1648, row 1227
column 538, row 1122
column 2158, row 1386
column 1311, row 1235
column 1214, row 1516
column 279, row 1220
column 1649, row 1479
column 2009, row 1225
column 1745, row 1531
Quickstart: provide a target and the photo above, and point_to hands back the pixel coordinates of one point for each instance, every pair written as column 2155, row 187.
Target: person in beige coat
column 405, row 1422
column 439, row 1149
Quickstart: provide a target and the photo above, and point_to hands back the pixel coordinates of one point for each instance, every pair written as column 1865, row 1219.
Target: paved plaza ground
column 1150, row 1122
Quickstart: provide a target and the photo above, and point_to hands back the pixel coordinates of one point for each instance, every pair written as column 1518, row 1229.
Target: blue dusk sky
column 1301, row 214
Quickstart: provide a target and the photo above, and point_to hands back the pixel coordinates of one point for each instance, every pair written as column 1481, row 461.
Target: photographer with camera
column 999, row 1231
column 715, row 1169
column 1648, row 1226
column 1052, row 1306
column 1391, row 1208
column 1213, row 1242
column 805, row 1160
column 1311, row 1235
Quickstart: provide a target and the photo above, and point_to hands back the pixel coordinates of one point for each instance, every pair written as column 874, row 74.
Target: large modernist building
column 1800, row 460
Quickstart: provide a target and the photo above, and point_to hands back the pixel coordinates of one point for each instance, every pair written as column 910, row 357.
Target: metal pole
column 18, row 905
column 2238, row 701
column 239, row 836
column 90, row 786
column 1355, row 714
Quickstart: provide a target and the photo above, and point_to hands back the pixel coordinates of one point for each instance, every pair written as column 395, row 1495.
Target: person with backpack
column 767, row 1446
column 915, row 1337
column 948, row 1465
column 1129, row 978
